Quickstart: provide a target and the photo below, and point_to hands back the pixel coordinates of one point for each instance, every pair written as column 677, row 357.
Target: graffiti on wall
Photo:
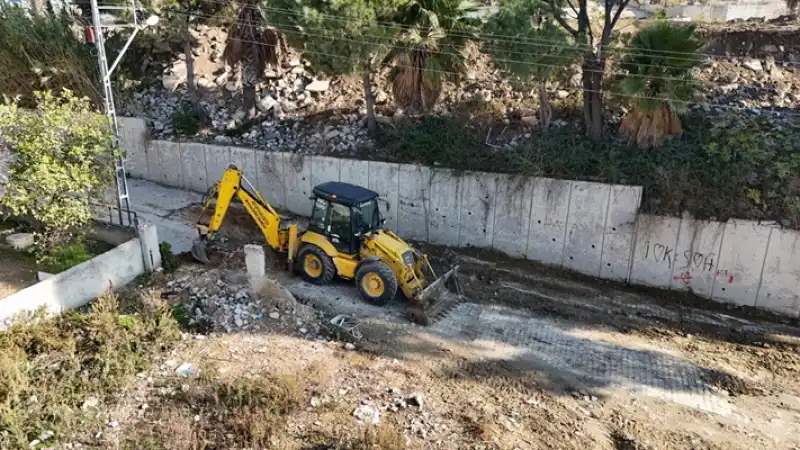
column 686, row 262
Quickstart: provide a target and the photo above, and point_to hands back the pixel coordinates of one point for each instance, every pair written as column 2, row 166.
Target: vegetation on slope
column 738, row 166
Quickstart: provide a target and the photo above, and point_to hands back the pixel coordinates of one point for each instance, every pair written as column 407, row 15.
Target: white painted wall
column 592, row 228
column 86, row 281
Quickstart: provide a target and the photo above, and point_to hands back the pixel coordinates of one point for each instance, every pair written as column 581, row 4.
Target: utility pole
column 120, row 176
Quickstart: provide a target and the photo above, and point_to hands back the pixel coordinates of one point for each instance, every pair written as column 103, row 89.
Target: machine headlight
column 408, row 258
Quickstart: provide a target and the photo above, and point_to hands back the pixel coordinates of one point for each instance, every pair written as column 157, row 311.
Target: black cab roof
column 344, row 193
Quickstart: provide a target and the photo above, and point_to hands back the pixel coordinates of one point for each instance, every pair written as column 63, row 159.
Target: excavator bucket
column 437, row 299
column 200, row 252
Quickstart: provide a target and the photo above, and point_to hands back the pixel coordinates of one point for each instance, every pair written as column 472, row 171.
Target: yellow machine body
column 376, row 258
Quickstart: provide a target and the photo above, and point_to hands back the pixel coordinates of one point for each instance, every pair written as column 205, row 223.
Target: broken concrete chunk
column 20, row 241
column 367, row 414
column 318, row 86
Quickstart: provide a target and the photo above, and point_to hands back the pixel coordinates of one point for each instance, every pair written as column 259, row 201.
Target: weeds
column 63, row 257
column 180, row 312
column 382, row 437
column 45, row 53
column 169, row 262
column 51, row 366
column 187, row 120
column 212, row 413
column 721, row 167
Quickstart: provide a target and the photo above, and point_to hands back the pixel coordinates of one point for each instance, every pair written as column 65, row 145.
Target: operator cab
column 344, row 212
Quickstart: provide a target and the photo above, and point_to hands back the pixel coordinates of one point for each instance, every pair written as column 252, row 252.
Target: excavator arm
column 264, row 215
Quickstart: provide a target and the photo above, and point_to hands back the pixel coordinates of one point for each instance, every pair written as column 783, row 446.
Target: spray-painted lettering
column 684, row 277
column 685, row 261
column 725, row 275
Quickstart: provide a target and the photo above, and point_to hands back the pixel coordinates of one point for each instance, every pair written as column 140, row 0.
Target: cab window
column 340, row 221
column 318, row 213
column 370, row 215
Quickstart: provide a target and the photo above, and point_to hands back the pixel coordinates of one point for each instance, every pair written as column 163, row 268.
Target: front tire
column 376, row 282
column 316, row 267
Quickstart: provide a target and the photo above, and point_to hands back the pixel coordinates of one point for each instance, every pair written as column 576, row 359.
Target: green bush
column 187, row 120
column 169, row 262
column 64, row 154
column 181, row 314
column 736, row 165
column 45, row 52
column 63, row 256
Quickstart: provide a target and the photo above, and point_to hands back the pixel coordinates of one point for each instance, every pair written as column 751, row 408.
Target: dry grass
column 412, row 87
column 50, row 367
column 224, row 408
column 209, row 412
column 650, row 128
column 349, row 437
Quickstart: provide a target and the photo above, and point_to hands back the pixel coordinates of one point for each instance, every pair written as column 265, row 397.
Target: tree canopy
column 656, row 81
column 62, row 158
column 524, row 42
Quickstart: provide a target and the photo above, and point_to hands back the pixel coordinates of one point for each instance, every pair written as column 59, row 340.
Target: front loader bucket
column 199, row 251
column 435, row 300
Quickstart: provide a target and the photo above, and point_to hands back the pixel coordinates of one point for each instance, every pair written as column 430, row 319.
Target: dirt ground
column 534, row 358
column 18, row 272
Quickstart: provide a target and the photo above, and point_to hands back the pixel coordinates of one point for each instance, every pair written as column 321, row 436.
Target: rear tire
column 376, row 282
column 316, row 267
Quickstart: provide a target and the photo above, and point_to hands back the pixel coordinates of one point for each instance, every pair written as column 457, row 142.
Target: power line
column 516, row 39
column 671, row 100
column 510, row 61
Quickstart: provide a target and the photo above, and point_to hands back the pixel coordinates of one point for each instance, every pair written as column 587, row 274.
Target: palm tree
column 657, row 81
column 251, row 46
column 428, row 50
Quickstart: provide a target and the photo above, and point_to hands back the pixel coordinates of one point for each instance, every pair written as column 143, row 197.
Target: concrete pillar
column 148, row 239
column 256, row 265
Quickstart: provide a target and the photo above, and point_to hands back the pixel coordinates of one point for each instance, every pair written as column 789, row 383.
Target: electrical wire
column 670, row 100
column 509, row 61
column 520, row 40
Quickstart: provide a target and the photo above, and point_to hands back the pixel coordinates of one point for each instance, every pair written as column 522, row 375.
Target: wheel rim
column 372, row 284
column 312, row 266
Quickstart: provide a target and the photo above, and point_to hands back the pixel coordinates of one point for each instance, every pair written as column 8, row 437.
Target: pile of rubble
column 215, row 302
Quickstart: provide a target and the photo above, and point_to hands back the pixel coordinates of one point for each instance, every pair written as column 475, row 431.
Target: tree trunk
column 249, row 81
column 597, row 108
column 545, row 112
column 420, row 68
column 38, row 6
column 187, row 51
column 592, row 80
column 249, row 99
column 369, row 99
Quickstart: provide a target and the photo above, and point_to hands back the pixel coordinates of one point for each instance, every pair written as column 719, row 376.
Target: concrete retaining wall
column 719, row 11
column 592, row 228
column 723, row 12
column 88, row 280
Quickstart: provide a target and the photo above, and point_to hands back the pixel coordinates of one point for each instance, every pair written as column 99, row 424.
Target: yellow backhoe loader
column 345, row 238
